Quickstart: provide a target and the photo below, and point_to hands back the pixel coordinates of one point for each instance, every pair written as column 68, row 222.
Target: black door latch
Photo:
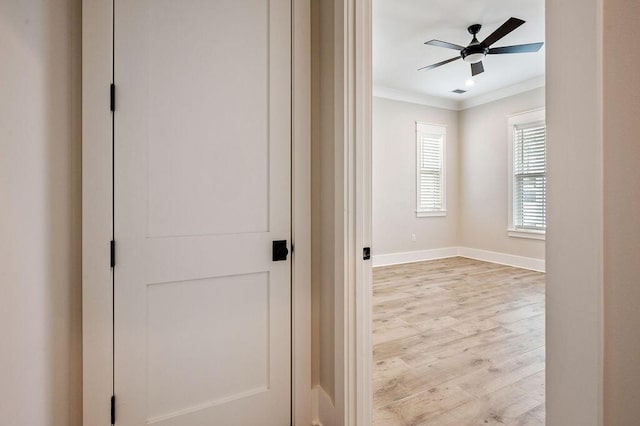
column 280, row 250
column 366, row 253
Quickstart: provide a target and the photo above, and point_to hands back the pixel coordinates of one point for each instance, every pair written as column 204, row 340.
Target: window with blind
column 431, row 142
column 528, row 174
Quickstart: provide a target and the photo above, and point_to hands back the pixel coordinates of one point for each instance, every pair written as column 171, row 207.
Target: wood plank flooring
column 458, row 342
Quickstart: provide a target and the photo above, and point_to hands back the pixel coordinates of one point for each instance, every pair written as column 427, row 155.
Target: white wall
column 574, row 212
column 621, row 213
column 40, row 213
column 394, row 179
column 484, row 178
column 477, row 179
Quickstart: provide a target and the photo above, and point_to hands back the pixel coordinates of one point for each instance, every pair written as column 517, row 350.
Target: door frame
column 97, row 211
column 354, row 42
column 574, row 368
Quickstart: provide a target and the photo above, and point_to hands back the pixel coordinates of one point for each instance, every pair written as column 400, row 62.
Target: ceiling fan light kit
column 476, row 51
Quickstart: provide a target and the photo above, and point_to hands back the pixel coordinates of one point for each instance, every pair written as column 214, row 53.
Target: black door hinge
column 113, row 253
column 113, row 409
column 112, row 97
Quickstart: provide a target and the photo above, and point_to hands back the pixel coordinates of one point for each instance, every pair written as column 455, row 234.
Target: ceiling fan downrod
column 475, row 52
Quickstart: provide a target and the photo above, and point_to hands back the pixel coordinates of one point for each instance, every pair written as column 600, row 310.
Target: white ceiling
column 400, row 28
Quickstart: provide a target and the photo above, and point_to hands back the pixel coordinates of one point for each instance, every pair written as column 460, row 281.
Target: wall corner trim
column 458, row 105
column 505, row 92
column 414, row 98
column 503, row 258
column 414, row 256
column 471, row 253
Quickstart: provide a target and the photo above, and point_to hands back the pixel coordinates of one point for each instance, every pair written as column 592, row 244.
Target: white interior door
column 202, row 163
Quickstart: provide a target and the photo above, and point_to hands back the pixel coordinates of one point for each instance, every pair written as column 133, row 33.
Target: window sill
column 439, row 213
column 521, row 233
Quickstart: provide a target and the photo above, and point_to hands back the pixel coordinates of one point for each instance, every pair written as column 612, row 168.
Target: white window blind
column 430, row 169
column 529, row 176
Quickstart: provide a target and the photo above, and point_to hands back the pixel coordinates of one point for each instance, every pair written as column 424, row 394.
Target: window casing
column 430, row 170
column 527, row 175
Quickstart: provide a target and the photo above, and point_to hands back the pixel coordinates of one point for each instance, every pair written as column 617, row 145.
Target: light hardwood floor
column 458, row 342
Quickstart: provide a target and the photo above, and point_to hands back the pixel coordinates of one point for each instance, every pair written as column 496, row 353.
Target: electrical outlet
column 413, row 237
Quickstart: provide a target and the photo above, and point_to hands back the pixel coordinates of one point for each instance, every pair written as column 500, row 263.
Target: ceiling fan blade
column 477, row 68
column 520, row 48
column 506, row 28
column 446, row 44
column 430, row 67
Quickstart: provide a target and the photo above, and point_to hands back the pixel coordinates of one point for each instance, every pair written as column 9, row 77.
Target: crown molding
column 414, row 98
column 502, row 93
column 451, row 104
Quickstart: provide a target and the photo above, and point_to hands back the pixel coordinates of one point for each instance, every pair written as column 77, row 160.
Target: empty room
column 459, row 212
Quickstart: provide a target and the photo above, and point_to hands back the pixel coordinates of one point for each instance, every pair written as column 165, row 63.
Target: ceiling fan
column 475, row 52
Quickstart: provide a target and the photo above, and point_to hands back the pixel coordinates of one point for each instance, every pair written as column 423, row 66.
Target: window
column 528, row 175
column 431, row 200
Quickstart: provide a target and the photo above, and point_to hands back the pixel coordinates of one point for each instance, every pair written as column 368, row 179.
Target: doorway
column 459, row 190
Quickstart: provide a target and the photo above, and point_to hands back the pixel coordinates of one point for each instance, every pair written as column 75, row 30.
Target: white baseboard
column 503, row 258
column 323, row 412
column 414, row 256
column 471, row 253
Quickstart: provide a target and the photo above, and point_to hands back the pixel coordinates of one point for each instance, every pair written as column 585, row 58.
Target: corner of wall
column 468, row 252
column 323, row 410
column 461, row 144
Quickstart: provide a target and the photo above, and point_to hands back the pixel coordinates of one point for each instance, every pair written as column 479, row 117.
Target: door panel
column 202, row 187
column 202, row 316
column 229, row 51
